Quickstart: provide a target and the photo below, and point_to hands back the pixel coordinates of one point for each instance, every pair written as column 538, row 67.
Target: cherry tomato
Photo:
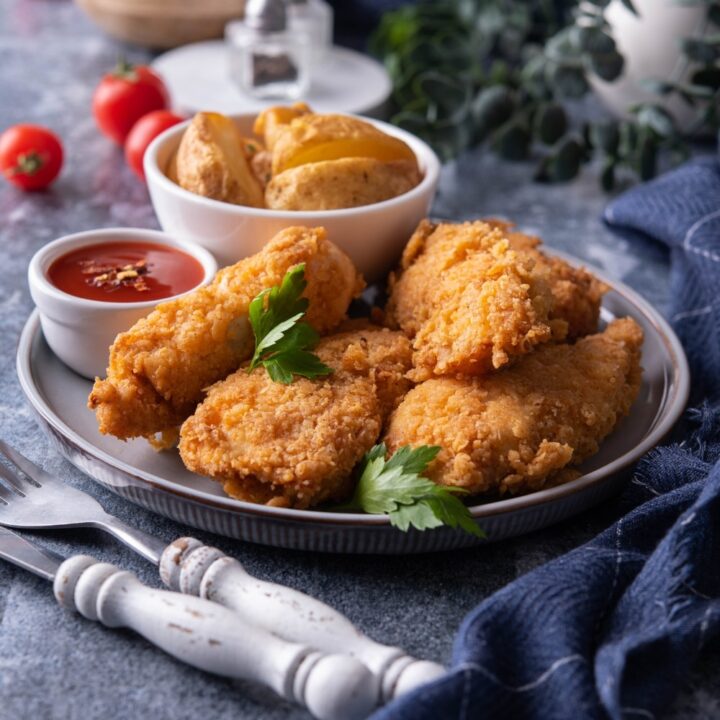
column 30, row 156
column 143, row 132
column 124, row 96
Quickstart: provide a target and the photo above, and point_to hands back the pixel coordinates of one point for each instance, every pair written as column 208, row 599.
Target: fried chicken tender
column 296, row 445
column 160, row 367
column 577, row 293
column 469, row 300
column 517, row 430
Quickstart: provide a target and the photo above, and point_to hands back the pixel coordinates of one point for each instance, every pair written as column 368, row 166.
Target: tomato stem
column 28, row 163
column 124, row 69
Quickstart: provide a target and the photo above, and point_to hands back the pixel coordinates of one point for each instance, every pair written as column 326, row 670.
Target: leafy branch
column 468, row 72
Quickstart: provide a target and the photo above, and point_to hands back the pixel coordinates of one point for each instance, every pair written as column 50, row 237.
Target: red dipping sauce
column 126, row 272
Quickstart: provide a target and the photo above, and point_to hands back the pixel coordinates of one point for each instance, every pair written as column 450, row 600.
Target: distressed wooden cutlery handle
column 215, row 639
column 196, row 569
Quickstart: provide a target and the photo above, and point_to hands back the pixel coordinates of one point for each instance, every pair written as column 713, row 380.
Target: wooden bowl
column 162, row 23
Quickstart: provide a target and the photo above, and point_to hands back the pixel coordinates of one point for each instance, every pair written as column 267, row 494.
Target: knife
column 200, row 633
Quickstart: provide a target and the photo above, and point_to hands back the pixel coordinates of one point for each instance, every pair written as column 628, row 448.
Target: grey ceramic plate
column 160, row 482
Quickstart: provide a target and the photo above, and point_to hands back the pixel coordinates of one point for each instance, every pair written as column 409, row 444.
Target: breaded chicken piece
column 468, row 300
column 161, row 366
column 513, row 431
column 296, row 445
column 577, row 293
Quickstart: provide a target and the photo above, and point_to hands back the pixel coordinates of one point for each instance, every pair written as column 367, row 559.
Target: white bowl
column 372, row 235
column 80, row 331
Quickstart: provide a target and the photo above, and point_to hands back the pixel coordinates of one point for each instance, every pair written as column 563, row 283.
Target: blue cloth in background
column 612, row 628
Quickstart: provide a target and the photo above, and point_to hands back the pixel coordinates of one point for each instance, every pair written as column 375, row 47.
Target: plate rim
column 671, row 412
column 381, row 95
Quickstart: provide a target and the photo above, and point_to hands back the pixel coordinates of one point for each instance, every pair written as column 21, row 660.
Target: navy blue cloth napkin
column 612, row 628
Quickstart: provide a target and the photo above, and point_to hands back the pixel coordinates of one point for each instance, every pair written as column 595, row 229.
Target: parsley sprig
column 282, row 340
column 395, row 487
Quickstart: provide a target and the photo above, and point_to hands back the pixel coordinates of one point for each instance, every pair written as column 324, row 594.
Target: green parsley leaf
column 282, row 340
column 395, row 487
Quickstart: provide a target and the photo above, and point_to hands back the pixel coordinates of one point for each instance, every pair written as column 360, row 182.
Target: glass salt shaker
column 268, row 58
column 314, row 18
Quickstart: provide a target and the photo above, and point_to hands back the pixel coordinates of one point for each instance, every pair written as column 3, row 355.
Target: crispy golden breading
column 577, row 293
column 515, row 430
column 342, row 183
column 296, row 445
column 160, row 367
column 469, row 301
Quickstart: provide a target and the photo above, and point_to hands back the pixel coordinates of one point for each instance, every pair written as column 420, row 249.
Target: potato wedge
column 316, row 138
column 343, row 183
column 270, row 123
column 261, row 164
column 171, row 170
column 211, row 161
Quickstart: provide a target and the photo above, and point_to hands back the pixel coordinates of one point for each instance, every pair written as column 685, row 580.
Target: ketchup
column 126, row 272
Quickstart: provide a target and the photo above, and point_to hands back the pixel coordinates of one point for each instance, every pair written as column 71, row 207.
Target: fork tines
column 17, row 469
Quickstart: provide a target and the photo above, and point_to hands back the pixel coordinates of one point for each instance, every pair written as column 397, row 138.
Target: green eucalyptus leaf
column 647, row 157
column 607, row 176
column 394, row 32
column 605, row 136
column 699, row 50
column 446, row 92
column 630, row 6
column 607, row 66
column 414, row 122
column 657, row 119
column 658, row 87
column 422, row 53
column 499, row 73
column 491, row 108
column 565, row 163
column 533, row 77
column 512, row 140
column 707, row 76
column 594, row 40
column 570, row 82
column 550, row 123
column 702, row 92
column 541, row 171
column 628, row 139
column 563, row 47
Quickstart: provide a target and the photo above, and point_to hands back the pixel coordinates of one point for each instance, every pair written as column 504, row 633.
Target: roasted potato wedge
column 171, row 170
column 317, row 138
column 261, row 164
column 271, row 122
column 343, row 183
column 212, row 161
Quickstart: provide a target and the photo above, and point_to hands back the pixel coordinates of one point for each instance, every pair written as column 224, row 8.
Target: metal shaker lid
column 266, row 16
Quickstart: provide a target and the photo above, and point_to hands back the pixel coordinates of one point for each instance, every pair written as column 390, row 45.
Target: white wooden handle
column 196, row 569
column 215, row 639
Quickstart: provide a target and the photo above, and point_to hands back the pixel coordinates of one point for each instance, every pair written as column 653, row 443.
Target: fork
column 34, row 499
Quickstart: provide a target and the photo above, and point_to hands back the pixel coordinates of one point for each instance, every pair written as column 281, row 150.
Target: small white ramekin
column 80, row 331
column 373, row 236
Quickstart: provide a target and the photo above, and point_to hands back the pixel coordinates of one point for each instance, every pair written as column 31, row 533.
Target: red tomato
column 124, row 96
column 30, row 156
column 143, row 132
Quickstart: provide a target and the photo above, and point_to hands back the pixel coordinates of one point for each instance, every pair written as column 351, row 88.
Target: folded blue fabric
column 612, row 628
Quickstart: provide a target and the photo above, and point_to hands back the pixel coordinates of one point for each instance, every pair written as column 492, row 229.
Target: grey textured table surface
column 59, row 666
